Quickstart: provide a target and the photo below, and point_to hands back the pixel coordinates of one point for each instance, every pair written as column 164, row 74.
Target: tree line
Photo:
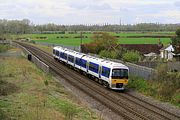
column 25, row 26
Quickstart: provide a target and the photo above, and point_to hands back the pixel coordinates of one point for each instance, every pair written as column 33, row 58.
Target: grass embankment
column 166, row 89
column 74, row 39
column 26, row 93
column 4, row 48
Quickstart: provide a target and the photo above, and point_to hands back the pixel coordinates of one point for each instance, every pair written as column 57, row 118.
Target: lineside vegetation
column 164, row 86
column 26, row 93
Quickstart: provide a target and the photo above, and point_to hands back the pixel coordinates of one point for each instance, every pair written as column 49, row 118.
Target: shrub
column 161, row 74
column 131, row 56
column 109, row 54
column 69, row 111
column 166, row 90
column 46, row 82
column 139, row 84
column 32, row 41
column 4, row 48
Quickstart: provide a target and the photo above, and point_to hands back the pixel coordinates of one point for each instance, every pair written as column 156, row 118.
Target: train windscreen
column 119, row 74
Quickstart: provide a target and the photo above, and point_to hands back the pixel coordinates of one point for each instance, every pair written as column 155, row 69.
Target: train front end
column 119, row 78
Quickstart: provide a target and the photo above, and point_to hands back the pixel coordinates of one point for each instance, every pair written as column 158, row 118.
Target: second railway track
column 125, row 105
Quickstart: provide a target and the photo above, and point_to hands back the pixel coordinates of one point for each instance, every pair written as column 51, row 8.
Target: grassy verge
column 164, row 91
column 4, row 48
column 26, row 93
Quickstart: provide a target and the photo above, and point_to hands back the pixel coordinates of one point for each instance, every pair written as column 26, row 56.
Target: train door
column 100, row 71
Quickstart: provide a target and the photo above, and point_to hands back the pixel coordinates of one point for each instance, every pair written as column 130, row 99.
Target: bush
column 167, row 90
column 131, row 56
column 4, row 48
column 161, row 74
column 109, row 54
column 139, row 84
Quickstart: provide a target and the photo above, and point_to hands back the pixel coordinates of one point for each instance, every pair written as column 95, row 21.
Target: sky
column 92, row 11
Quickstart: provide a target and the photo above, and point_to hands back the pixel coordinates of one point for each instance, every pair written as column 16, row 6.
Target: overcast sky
column 92, row 11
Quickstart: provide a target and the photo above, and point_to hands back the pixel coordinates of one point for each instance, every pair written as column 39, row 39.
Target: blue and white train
column 110, row 74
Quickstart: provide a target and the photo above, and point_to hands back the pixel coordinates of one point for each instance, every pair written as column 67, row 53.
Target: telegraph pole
column 80, row 42
column 120, row 24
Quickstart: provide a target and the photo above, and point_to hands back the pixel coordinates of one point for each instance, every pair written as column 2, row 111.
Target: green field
column 68, row 39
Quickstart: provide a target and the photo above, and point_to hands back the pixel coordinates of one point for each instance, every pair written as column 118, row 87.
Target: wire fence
column 137, row 70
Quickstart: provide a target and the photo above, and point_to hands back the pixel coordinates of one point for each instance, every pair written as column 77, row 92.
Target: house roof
column 169, row 48
column 143, row 48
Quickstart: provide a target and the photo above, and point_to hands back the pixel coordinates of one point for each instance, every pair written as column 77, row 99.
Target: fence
column 5, row 42
column 174, row 66
column 34, row 59
column 136, row 70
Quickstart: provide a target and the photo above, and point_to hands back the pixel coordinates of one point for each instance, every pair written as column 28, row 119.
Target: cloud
column 93, row 5
column 91, row 11
column 177, row 3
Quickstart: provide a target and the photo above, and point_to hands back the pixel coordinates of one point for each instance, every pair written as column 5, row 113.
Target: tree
column 131, row 56
column 178, row 32
column 104, row 41
column 176, row 41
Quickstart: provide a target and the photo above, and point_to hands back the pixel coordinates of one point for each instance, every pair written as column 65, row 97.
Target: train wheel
column 100, row 81
column 105, row 84
column 96, row 79
column 84, row 73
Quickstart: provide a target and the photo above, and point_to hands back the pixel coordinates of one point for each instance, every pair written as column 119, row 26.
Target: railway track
column 125, row 105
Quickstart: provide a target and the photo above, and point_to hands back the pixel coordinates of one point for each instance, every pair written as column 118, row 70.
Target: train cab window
column 119, row 73
column 105, row 71
column 93, row 67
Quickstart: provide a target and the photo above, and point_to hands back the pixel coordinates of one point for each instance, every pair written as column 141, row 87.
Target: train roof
column 103, row 62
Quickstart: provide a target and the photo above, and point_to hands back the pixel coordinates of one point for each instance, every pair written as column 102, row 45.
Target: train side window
column 61, row 55
column 93, row 67
column 65, row 56
column 77, row 62
column 83, row 63
column 105, row 71
column 71, row 58
column 57, row 53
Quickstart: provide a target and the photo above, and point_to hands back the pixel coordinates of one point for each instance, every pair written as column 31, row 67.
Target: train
column 110, row 74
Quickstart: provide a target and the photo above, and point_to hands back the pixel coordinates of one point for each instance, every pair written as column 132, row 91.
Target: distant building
column 167, row 52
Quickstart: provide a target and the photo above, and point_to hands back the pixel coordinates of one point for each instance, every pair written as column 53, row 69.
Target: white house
column 167, row 52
